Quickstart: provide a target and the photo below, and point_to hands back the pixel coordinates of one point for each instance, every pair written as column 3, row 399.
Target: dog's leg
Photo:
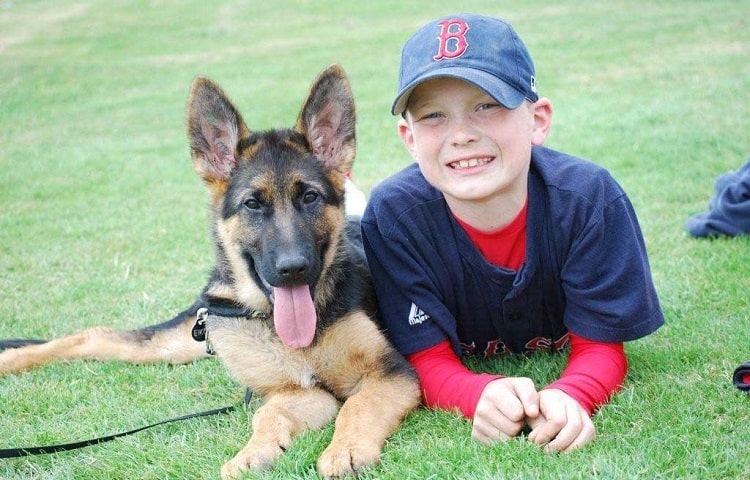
column 365, row 421
column 169, row 342
column 380, row 390
column 282, row 417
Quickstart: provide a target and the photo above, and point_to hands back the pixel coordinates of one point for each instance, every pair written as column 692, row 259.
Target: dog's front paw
column 232, row 469
column 256, row 458
column 340, row 460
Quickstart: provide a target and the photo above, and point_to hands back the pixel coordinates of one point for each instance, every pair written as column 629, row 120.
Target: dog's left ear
column 327, row 119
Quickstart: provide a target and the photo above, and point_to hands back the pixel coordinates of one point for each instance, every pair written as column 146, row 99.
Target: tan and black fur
column 277, row 199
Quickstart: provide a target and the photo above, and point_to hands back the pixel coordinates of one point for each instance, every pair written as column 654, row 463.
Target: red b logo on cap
column 452, row 38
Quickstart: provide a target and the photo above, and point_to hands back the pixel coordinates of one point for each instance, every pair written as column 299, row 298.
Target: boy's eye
column 487, row 106
column 431, row 115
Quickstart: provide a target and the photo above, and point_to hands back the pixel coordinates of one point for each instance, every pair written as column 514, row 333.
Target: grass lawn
column 102, row 220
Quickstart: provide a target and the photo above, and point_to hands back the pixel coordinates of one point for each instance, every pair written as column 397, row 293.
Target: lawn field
column 103, row 222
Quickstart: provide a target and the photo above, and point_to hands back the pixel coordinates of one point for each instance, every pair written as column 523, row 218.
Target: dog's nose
column 291, row 268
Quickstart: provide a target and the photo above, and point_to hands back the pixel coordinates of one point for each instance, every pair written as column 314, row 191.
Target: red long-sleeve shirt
column 594, row 372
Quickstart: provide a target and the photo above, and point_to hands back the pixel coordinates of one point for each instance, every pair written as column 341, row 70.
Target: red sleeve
column 594, row 372
column 446, row 382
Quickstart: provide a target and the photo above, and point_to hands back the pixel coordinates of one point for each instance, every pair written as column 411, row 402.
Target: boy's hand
column 562, row 424
column 504, row 408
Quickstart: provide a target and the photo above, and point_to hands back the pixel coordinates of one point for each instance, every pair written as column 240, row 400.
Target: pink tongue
column 294, row 315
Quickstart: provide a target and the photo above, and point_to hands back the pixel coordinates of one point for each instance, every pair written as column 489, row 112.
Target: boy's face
column 469, row 146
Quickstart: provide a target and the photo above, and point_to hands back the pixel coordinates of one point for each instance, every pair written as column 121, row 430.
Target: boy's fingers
column 510, row 397
column 487, row 432
column 564, row 429
column 578, row 431
column 502, row 409
column 556, row 412
column 543, row 432
column 525, row 390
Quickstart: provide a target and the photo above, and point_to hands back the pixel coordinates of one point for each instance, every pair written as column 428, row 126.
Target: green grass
column 102, row 220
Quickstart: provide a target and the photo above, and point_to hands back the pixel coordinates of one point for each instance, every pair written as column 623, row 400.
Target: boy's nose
column 463, row 132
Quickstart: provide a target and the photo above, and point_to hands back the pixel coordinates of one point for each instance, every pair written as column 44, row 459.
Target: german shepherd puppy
column 289, row 306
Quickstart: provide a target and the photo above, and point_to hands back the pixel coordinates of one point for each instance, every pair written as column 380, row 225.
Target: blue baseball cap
column 484, row 51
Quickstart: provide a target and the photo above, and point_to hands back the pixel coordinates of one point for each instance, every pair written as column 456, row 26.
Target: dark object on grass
column 741, row 377
column 728, row 210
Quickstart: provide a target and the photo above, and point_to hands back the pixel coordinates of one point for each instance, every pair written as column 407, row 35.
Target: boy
column 492, row 244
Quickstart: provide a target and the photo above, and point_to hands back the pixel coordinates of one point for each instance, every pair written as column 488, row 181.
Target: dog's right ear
column 215, row 128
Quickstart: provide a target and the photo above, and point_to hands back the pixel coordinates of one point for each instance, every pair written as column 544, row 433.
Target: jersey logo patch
column 417, row 315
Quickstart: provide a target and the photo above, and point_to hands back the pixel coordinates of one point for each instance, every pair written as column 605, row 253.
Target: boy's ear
column 407, row 136
column 542, row 111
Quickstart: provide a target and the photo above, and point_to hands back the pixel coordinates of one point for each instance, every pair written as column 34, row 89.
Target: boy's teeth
column 472, row 162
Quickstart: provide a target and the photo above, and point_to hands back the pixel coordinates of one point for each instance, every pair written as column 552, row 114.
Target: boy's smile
column 472, row 162
column 473, row 149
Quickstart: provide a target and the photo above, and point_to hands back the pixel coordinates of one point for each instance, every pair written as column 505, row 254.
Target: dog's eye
column 310, row 197
column 252, row 204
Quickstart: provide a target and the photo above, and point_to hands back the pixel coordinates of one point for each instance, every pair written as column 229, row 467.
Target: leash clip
column 199, row 329
column 199, row 332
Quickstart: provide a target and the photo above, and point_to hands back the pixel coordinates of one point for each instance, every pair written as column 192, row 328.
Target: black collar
column 221, row 308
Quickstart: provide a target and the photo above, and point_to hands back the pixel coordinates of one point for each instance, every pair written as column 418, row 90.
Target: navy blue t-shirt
column 586, row 268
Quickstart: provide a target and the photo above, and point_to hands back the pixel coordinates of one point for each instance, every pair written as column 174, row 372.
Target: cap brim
column 505, row 94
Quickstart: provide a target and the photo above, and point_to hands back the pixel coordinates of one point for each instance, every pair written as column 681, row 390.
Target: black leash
column 215, row 307
column 25, row 451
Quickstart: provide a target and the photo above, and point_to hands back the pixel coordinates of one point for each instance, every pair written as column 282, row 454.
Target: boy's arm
column 594, row 372
column 446, row 382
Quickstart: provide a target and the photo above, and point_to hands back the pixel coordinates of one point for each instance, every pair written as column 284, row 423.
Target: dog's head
column 277, row 196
